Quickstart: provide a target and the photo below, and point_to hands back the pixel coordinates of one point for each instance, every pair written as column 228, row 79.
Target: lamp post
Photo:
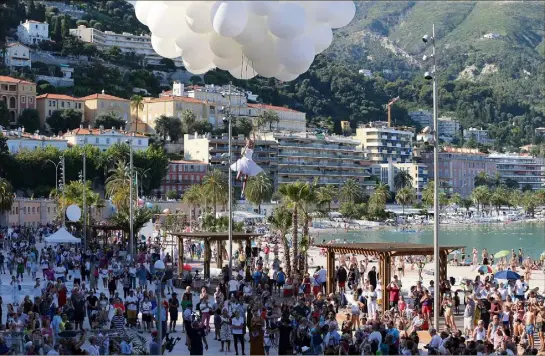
column 159, row 266
column 63, row 184
column 433, row 76
column 56, row 171
column 84, row 196
column 229, row 176
column 131, row 203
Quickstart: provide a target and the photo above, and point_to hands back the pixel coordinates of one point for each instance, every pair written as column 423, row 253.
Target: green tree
column 281, row 222
column 188, row 119
column 202, row 127
column 326, row 195
column 73, row 194
column 72, row 118
column 118, row 185
column 351, row 211
column 270, row 117
column 428, row 193
column 55, row 121
column 172, row 194
column 107, row 121
column 168, row 64
column 467, row 203
column 195, row 79
column 6, row 199
column 4, row 114
column 529, row 202
column 216, row 187
column 193, row 197
column 242, row 126
column 455, row 198
column 481, row 196
column 402, row 179
column 499, row 198
column 351, row 192
column 30, row 120
column 259, row 189
column 169, row 127
column 137, row 103
column 114, row 54
column 511, row 183
column 382, row 192
column 65, row 26
column 405, row 196
column 57, row 29
column 141, row 216
column 481, row 179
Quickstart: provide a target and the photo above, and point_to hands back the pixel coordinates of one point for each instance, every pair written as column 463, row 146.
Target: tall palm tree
column 259, row 189
column 326, row 195
column 281, row 222
column 118, row 185
column 405, row 196
column 193, row 197
column 351, row 191
column 382, row 192
column 310, row 199
column 481, row 178
column 481, row 195
column 137, row 103
column 216, row 187
column 402, row 179
column 293, row 195
column 6, row 199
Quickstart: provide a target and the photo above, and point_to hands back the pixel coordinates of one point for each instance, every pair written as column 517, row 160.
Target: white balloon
column 342, row 13
column 224, row 47
column 230, row 18
column 287, row 20
column 318, row 11
column 261, row 8
column 296, row 55
column 226, row 63
column 265, row 60
column 267, row 70
column 177, row 5
column 73, row 213
column 164, row 21
column 198, row 67
column 322, row 36
column 255, row 31
column 197, row 16
column 244, row 71
column 285, row 76
column 202, row 55
column 141, row 10
column 256, row 51
column 192, row 43
column 165, row 47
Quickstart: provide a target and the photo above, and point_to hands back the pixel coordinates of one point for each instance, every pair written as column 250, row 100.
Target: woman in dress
column 225, row 330
column 245, row 166
column 257, row 335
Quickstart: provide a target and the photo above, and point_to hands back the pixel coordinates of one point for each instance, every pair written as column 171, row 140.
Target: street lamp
column 433, row 76
column 57, row 165
column 159, row 266
column 84, row 195
column 229, row 176
column 131, row 203
column 63, row 185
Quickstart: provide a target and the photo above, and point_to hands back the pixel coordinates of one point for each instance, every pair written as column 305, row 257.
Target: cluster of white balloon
column 271, row 38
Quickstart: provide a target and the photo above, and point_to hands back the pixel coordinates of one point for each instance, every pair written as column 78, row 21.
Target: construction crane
column 390, row 111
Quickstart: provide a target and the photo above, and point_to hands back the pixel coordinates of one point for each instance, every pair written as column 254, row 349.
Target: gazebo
column 208, row 238
column 384, row 251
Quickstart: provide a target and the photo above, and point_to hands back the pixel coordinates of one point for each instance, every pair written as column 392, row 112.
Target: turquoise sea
column 530, row 236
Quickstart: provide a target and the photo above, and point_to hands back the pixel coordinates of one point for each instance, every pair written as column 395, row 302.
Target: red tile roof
column 34, row 21
column 7, row 79
column 57, row 96
column 102, row 96
column 85, row 131
column 271, row 107
column 11, row 44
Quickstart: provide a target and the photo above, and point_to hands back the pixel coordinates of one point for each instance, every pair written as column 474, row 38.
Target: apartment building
column 448, row 127
column 173, row 106
column 32, row 32
column 96, row 105
column 47, row 104
column 386, row 172
column 480, row 135
column 422, row 117
column 458, row 168
column 183, row 174
column 104, row 138
column 32, row 212
column 17, row 55
column 289, row 119
column 214, row 151
column 384, row 144
column 525, row 169
column 18, row 95
column 126, row 42
column 18, row 140
column 306, row 156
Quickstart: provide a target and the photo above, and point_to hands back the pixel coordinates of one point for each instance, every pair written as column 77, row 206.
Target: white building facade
column 386, row 172
column 104, row 138
column 32, row 32
column 18, row 140
column 17, row 55
column 480, row 135
column 524, row 169
column 384, row 144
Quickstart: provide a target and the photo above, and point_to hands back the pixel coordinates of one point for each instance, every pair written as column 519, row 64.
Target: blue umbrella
column 509, row 275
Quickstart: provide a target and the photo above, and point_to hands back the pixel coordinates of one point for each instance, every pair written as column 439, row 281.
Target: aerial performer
column 245, row 165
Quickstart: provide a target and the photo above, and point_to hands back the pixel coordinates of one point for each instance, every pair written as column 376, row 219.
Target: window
column 12, row 88
column 49, row 112
column 23, row 99
column 24, row 210
column 96, row 140
column 107, row 141
column 33, row 210
column 68, row 103
column 140, row 142
column 48, row 210
column 102, row 105
column 30, row 99
column 54, row 103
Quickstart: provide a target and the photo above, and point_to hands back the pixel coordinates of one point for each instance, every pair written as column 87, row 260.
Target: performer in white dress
column 245, row 166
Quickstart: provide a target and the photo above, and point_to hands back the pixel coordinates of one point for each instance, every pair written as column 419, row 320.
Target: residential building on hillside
column 289, row 119
column 65, row 80
column 32, row 212
column 525, row 169
column 383, row 144
column 458, row 168
column 18, row 95
column 480, row 135
column 126, row 42
column 17, row 55
column 104, row 138
column 18, row 140
column 214, row 151
column 387, row 172
column 183, row 174
column 32, row 32
column 47, row 104
column 448, row 127
column 422, row 117
column 102, row 104
column 330, row 159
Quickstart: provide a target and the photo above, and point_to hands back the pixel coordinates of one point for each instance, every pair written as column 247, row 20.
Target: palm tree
column 326, row 195
column 467, row 203
column 382, row 192
column 281, row 222
column 481, row 179
column 259, row 189
column 118, row 185
column 6, row 199
column 293, row 195
column 137, row 103
column 269, row 117
column 351, row 191
column 216, row 187
column 193, row 197
column 310, row 200
column 481, row 195
column 402, row 179
column 456, row 198
column 428, row 193
column 405, row 196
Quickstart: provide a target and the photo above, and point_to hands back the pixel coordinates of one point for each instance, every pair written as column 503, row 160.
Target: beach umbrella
column 456, row 252
column 485, row 269
column 509, row 275
column 502, row 253
column 187, row 267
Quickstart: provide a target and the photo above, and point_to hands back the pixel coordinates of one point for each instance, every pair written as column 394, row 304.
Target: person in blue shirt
column 126, row 347
column 257, row 276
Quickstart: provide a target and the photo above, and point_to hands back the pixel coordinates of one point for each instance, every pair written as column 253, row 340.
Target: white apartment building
column 422, row 117
column 386, row 172
column 525, row 169
column 103, row 139
column 448, row 128
column 17, row 55
column 384, row 144
column 18, row 140
column 127, row 42
column 480, row 135
column 32, row 32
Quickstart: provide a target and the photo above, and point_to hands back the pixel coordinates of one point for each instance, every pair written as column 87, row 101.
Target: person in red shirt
column 393, row 290
column 119, row 305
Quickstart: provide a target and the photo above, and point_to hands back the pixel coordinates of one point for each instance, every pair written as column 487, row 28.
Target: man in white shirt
column 520, row 288
column 237, row 327
column 502, row 292
column 93, row 348
column 233, row 286
column 60, row 271
column 132, row 307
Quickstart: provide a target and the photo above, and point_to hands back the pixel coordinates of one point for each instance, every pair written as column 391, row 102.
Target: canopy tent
column 62, row 237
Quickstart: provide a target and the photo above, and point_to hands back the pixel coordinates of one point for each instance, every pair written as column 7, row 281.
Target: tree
column 529, row 202
column 455, row 198
column 481, row 196
column 193, row 197
column 65, row 26
column 481, row 179
column 4, row 114
column 57, row 29
column 402, row 179
column 141, row 216
column 351, row 192
column 195, row 79
column 169, row 127
column 259, row 189
column 499, row 198
column 172, row 194
column 216, row 185
column 202, row 127
column 405, row 196
column 6, row 199
column 168, row 63
column 242, row 126
column 72, row 118
column 428, row 193
column 107, row 121
column 114, row 54
column 527, row 188
column 188, row 118
column 281, row 222
column 351, row 211
column 118, row 185
column 55, row 121
column 511, row 183
column 382, row 192
column 326, row 195
column 467, row 203
column 62, row 120
column 73, row 194
column 30, row 120
column 137, row 103
column 269, row 117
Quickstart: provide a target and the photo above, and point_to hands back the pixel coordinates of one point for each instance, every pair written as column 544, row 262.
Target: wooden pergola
column 384, row 251
column 208, row 238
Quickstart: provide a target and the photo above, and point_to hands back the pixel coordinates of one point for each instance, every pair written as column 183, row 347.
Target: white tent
column 62, row 237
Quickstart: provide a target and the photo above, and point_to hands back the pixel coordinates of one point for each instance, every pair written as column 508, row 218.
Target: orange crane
column 389, row 110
